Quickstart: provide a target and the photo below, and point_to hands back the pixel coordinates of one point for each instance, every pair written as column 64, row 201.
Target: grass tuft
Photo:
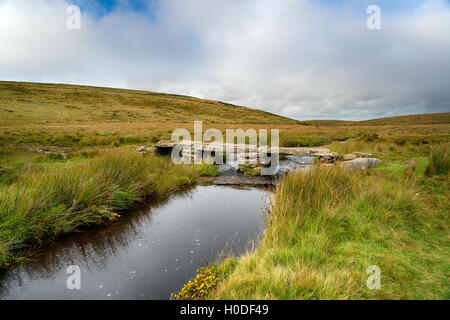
column 439, row 161
column 207, row 170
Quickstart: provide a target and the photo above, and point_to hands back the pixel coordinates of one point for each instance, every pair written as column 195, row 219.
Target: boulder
column 328, row 157
column 165, row 146
column 349, row 156
column 360, row 164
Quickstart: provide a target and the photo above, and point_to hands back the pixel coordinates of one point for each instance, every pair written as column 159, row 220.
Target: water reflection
column 150, row 253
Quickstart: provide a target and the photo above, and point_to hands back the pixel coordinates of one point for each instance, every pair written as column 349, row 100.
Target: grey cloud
column 295, row 58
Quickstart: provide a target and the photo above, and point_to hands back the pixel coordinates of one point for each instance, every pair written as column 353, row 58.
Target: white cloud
column 296, row 58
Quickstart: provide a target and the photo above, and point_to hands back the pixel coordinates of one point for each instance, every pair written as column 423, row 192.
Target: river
column 152, row 252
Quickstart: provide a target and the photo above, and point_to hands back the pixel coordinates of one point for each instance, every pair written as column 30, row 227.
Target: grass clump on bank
column 251, row 171
column 53, row 201
column 439, row 161
column 327, row 226
column 207, row 170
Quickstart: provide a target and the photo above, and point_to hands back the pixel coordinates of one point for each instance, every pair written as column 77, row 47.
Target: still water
column 153, row 251
column 150, row 253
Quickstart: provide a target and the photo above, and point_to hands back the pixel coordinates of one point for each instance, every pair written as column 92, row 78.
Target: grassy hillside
column 416, row 119
column 35, row 103
column 328, row 123
column 79, row 116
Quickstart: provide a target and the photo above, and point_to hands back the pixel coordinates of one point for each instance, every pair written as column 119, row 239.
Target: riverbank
column 327, row 226
column 47, row 196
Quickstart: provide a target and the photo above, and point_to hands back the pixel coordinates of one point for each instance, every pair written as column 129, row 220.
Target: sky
column 304, row 59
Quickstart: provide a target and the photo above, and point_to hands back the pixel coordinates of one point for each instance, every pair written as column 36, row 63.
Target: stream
column 151, row 252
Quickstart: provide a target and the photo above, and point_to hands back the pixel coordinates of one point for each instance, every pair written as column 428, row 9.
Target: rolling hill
column 38, row 103
column 416, row 119
column 41, row 103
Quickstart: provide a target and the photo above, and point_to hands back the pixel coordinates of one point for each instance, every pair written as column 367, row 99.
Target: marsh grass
column 56, row 200
column 439, row 161
column 327, row 226
column 207, row 170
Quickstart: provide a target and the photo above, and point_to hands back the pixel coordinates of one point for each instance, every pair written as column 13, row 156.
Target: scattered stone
column 360, row 164
column 329, row 157
column 48, row 149
column 349, row 156
column 411, row 163
column 145, row 149
column 363, row 155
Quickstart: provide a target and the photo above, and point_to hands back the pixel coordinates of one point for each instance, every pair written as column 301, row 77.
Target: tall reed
column 60, row 199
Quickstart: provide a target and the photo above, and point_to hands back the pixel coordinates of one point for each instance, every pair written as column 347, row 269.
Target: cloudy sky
column 305, row 59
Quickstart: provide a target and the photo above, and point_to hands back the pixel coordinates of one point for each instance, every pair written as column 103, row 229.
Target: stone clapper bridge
column 249, row 157
column 245, row 150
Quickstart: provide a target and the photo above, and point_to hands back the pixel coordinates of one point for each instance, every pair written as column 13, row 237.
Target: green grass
column 207, row 170
column 326, row 227
column 41, row 103
column 50, row 201
column 292, row 140
column 439, row 162
column 251, row 171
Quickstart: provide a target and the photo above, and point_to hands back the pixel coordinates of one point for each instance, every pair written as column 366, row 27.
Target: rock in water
column 360, row 164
